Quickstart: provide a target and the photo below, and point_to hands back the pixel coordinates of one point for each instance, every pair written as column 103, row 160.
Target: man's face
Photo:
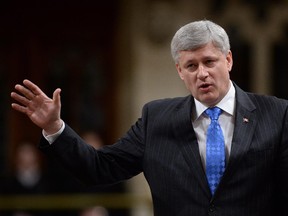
column 205, row 72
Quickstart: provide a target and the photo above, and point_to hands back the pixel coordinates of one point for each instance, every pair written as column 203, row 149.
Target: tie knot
column 213, row 112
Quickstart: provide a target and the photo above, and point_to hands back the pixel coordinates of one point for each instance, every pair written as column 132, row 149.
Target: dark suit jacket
column 163, row 145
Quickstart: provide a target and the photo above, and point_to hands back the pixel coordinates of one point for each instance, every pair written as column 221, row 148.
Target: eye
column 191, row 67
column 210, row 62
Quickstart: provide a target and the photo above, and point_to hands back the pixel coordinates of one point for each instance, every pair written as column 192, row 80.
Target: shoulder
column 162, row 113
column 261, row 101
column 169, row 103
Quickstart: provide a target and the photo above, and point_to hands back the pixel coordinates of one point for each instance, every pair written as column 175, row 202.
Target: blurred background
column 109, row 58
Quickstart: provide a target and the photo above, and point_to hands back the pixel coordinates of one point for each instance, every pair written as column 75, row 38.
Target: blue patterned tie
column 215, row 150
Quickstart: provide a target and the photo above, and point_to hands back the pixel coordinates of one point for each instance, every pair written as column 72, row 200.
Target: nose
column 202, row 72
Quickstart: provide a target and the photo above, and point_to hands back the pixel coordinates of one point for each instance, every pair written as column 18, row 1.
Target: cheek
column 190, row 82
column 223, row 76
column 187, row 78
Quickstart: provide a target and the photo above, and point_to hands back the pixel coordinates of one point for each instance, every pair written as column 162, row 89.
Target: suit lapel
column 245, row 123
column 188, row 142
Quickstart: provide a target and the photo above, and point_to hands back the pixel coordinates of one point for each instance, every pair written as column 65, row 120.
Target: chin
column 208, row 101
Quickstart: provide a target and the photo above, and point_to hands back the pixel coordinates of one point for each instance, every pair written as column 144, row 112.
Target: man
column 169, row 144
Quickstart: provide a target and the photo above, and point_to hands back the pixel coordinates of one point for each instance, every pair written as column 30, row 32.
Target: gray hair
column 197, row 34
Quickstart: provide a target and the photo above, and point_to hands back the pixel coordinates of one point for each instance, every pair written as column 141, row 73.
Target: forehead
column 205, row 51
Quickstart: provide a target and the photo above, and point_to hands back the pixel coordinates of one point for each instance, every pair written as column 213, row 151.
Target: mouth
column 204, row 86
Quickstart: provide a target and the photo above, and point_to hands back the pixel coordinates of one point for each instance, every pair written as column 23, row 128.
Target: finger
column 24, row 91
column 20, row 99
column 33, row 88
column 19, row 108
column 57, row 97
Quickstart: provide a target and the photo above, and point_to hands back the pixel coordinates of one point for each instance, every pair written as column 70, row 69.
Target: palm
column 42, row 110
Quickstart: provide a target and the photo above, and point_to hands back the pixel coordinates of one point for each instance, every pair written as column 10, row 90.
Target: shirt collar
column 227, row 104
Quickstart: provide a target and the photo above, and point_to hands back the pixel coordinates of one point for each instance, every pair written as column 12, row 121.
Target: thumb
column 56, row 97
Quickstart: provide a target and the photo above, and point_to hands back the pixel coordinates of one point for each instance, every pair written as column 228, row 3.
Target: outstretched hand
column 42, row 110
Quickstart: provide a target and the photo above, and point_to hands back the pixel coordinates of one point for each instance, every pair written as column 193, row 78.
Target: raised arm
column 42, row 110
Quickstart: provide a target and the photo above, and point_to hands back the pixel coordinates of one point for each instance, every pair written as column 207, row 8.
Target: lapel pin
column 245, row 120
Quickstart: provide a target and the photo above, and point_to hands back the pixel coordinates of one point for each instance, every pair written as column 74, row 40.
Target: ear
column 229, row 60
column 179, row 71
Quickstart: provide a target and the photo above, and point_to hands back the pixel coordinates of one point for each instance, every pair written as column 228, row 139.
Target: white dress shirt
column 201, row 121
column 51, row 138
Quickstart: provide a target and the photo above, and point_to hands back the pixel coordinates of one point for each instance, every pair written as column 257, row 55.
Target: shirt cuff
column 51, row 138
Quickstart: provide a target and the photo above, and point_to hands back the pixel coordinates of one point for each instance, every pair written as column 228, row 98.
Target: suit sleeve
column 108, row 165
column 282, row 180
